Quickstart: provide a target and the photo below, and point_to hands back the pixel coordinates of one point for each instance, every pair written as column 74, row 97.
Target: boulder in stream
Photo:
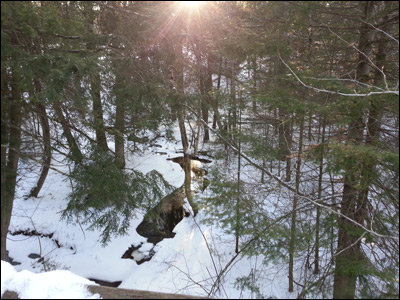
column 159, row 222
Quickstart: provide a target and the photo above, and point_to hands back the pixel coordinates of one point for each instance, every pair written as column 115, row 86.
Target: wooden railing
column 117, row 293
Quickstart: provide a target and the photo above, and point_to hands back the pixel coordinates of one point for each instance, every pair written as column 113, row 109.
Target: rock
column 34, row 256
column 11, row 260
column 159, row 222
column 140, row 253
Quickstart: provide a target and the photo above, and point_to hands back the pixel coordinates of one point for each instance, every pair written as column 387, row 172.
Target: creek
column 160, row 221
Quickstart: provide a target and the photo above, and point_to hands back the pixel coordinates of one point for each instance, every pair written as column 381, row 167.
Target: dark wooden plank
column 118, row 293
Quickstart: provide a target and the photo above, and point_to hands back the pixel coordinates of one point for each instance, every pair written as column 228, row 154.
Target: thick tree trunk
column 349, row 259
column 119, row 126
column 9, row 168
column 76, row 153
column 44, row 122
column 5, row 93
column 284, row 126
column 216, row 118
column 206, row 99
column 178, row 82
column 98, row 112
column 204, row 112
column 375, row 113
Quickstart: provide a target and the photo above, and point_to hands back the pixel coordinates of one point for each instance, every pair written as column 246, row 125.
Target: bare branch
column 317, row 203
column 384, row 32
column 68, row 37
column 359, row 239
column 347, row 80
column 395, row 92
column 362, row 53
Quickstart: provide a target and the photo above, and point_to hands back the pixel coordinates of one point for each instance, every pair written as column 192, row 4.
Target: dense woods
column 297, row 102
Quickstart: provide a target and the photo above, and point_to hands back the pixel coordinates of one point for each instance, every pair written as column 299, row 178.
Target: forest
column 248, row 137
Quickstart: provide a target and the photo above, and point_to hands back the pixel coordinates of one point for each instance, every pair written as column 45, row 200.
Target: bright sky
column 192, row 4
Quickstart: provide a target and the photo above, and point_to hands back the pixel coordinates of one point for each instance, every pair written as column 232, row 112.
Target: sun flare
column 191, row 4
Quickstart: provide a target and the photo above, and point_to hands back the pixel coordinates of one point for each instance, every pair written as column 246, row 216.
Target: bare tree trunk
column 237, row 225
column 76, row 153
column 98, row 111
column 254, row 82
column 310, row 118
column 266, row 135
column 215, row 100
column 44, row 122
column 233, row 105
column 119, row 126
column 285, row 141
column 350, row 258
column 5, row 94
column 206, row 99
column 12, row 108
column 284, row 127
column 178, row 82
column 294, row 208
column 321, row 140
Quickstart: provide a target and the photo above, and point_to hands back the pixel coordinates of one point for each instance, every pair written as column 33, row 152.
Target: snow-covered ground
column 189, row 263
column 50, row 285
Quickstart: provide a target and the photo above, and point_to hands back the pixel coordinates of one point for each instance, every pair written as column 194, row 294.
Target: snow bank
column 51, row 285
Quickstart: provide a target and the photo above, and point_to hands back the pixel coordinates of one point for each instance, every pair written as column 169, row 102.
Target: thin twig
column 230, row 145
column 335, row 92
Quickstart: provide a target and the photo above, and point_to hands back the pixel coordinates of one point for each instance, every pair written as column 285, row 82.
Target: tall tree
column 350, row 261
column 13, row 114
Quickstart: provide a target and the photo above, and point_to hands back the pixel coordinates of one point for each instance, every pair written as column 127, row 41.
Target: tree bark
column 76, row 153
column 349, row 259
column 206, row 99
column 12, row 107
column 216, row 118
column 178, row 83
column 44, row 122
column 98, row 111
column 5, row 94
column 294, row 208
column 284, row 127
column 237, row 212
column 321, row 140
column 233, row 105
column 119, row 125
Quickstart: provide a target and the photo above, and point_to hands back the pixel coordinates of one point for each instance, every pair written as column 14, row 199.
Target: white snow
column 188, row 263
column 50, row 285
